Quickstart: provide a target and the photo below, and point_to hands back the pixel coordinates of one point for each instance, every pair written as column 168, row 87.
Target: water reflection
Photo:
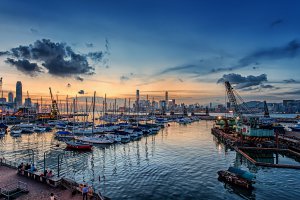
column 180, row 162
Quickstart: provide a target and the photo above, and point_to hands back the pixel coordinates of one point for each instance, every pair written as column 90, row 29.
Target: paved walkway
column 37, row 190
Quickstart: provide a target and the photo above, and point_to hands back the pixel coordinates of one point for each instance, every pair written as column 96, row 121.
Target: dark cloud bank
column 57, row 59
column 247, row 83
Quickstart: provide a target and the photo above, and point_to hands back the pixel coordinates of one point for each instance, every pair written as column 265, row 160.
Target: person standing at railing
column 50, row 174
column 20, row 167
column 27, row 166
column 32, row 169
column 85, row 191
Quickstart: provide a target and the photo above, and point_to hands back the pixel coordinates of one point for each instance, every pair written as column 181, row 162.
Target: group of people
column 47, row 174
column 86, row 191
column 31, row 168
column 27, row 167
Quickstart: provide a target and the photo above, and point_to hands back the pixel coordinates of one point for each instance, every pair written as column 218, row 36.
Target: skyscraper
column 167, row 96
column 10, row 97
column 167, row 100
column 19, row 100
column 137, row 100
column 27, row 102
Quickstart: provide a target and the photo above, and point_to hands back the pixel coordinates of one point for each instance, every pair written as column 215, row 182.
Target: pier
column 290, row 148
column 37, row 186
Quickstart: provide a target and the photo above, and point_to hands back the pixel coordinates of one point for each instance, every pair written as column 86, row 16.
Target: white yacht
column 96, row 139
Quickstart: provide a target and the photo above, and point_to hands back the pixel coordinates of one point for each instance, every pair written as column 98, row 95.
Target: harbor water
column 179, row 162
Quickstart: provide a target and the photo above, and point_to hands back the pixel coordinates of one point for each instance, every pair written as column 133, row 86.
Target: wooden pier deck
column 36, row 190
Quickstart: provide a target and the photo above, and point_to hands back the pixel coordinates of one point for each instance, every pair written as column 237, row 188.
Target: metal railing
column 11, row 190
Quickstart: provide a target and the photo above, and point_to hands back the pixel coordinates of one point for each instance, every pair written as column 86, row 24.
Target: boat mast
column 94, row 99
column 67, row 105
column 73, row 114
column 86, row 110
column 125, row 107
column 129, row 106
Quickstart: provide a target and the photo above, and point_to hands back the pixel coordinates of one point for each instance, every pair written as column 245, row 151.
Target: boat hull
column 231, row 178
column 82, row 147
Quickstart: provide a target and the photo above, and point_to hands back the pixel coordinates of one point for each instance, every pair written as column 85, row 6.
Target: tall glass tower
column 10, row 97
column 19, row 101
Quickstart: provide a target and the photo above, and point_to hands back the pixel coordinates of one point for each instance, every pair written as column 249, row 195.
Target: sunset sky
column 182, row 46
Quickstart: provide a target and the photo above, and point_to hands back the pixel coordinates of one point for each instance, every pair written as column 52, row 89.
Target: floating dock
column 234, row 142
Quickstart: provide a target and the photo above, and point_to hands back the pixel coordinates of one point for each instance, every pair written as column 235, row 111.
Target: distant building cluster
column 11, row 103
column 14, row 100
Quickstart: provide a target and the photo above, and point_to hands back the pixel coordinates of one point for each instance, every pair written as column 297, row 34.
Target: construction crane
column 54, row 108
column 232, row 99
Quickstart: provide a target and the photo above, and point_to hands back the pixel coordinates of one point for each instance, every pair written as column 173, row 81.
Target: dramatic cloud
column 290, row 81
column 213, row 66
column 198, row 68
column 78, row 78
column 89, row 45
column 32, row 30
column 96, row 56
column 294, row 92
column 289, row 50
column 268, row 87
column 81, row 92
column 124, row 78
column 127, row 77
column 276, row 22
column 243, row 81
column 180, row 80
column 57, row 59
column 25, row 66
column 3, row 53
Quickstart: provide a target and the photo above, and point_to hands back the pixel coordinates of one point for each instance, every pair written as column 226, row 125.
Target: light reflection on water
column 180, row 162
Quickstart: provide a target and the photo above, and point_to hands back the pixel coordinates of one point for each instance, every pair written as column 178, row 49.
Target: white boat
column 296, row 127
column 39, row 129
column 105, row 128
column 115, row 137
column 16, row 132
column 96, row 139
column 82, row 131
column 134, row 134
column 26, row 125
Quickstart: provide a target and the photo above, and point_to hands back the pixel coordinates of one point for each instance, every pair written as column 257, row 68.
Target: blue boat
column 241, row 173
column 64, row 134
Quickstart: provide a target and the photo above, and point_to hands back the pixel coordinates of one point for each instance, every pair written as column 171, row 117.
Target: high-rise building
column 167, row 100
column 137, row 103
column 19, row 100
column 10, row 97
column 27, row 102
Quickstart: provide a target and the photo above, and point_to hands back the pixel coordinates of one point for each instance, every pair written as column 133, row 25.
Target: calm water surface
column 180, row 162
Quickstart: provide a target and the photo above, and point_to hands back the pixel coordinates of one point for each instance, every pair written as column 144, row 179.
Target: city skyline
column 117, row 47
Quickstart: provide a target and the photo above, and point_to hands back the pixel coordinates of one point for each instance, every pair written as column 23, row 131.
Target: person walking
column 85, row 191
column 52, row 197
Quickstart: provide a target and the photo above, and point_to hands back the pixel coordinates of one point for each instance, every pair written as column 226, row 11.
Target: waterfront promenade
column 36, row 189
